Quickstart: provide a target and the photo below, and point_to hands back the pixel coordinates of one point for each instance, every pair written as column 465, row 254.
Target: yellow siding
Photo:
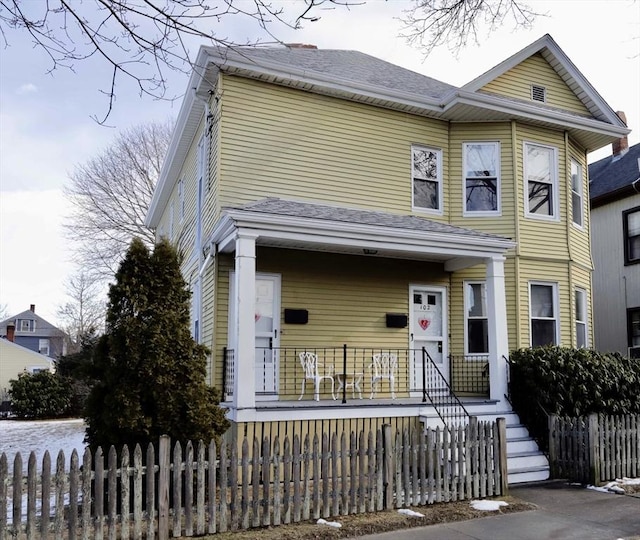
column 15, row 360
column 465, row 133
column 536, row 70
column 542, row 238
column 285, row 143
column 580, row 245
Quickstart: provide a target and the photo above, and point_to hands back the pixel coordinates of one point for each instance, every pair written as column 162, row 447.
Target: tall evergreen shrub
column 150, row 372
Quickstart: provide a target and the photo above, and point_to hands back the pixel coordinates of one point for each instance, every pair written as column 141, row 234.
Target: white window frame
column 25, row 327
column 480, row 213
column 581, row 318
column 47, row 346
column 553, row 173
column 556, row 304
column 578, row 193
column 483, row 285
column 435, row 211
column 181, row 199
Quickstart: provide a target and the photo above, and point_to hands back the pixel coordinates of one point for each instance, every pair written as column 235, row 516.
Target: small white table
column 349, row 380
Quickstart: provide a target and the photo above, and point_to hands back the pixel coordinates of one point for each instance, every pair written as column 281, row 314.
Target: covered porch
column 403, row 354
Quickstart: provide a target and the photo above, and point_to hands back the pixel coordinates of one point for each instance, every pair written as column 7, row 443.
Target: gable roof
column 615, row 176
column 564, row 67
column 43, row 327
column 354, row 76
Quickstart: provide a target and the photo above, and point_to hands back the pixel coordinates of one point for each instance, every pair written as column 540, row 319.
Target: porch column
column 497, row 327
column 244, row 381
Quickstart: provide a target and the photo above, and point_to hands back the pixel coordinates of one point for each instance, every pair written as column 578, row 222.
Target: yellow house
column 14, row 360
column 365, row 244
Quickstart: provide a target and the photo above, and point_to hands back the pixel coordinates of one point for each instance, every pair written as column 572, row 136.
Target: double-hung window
column 540, row 181
column 581, row 317
column 631, row 230
column 43, row 346
column 426, row 167
column 577, row 204
column 543, row 307
column 481, row 178
column 475, row 313
column 633, row 331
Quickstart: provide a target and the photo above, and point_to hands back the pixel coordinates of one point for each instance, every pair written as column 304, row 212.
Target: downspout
column 569, row 199
column 200, row 197
column 516, row 215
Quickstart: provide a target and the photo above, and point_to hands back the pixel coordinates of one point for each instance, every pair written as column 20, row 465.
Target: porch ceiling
column 309, row 226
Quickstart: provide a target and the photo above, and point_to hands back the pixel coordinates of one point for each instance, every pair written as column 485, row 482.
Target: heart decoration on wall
column 424, row 323
column 257, row 317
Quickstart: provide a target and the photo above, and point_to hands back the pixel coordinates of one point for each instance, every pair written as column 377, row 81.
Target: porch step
column 527, row 474
column 520, row 444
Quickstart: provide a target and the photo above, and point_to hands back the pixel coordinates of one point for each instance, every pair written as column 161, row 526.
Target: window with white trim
column 541, row 182
column 631, row 230
column 481, row 178
column 27, row 325
column 475, row 315
column 43, row 346
column 633, row 327
column 181, row 199
column 426, row 167
column 543, row 313
column 577, row 204
column 581, row 317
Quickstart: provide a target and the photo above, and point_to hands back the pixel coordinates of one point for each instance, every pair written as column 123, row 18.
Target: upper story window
column 633, row 330
column 426, row 166
column 482, row 178
column 541, row 181
column 475, row 313
column 631, row 231
column 581, row 317
column 543, row 306
column 26, row 325
column 577, row 204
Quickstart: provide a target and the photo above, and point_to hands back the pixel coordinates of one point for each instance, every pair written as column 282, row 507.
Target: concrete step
column 528, row 474
column 510, row 417
column 517, row 431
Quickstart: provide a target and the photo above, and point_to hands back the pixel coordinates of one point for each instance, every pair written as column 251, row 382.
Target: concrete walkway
column 564, row 513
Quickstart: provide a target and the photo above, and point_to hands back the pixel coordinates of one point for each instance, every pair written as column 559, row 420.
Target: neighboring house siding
column 15, row 359
column 616, row 286
column 286, row 143
column 536, row 70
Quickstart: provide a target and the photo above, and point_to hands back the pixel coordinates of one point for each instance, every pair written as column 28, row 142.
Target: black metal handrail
column 436, row 387
column 469, row 374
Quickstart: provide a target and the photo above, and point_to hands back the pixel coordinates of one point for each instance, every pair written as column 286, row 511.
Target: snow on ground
column 490, row 506
column 334, row 524
column 411, row 513
column 41, row 435
column 616, row 486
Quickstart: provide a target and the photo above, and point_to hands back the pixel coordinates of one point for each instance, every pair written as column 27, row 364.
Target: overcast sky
column 46, row 127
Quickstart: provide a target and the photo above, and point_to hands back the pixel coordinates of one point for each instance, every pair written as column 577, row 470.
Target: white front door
column 428, row 329
column 267, row 321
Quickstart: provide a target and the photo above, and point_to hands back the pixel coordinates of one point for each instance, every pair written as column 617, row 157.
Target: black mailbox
column 396, row 320
column 296, row 316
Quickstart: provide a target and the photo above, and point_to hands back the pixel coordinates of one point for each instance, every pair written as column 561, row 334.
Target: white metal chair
column 383, row 368
column 315, row 371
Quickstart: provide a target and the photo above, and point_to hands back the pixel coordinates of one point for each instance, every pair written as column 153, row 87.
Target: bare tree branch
column 85, row 313
column 110, row 194
column 433, row 23
column 143, row 39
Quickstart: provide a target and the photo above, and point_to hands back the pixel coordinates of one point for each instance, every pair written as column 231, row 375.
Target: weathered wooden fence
column 207, row 489
column 594, row 448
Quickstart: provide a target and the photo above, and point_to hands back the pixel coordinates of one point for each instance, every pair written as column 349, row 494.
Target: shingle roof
column 609, row 174
column 352, row 66
column 283, row 207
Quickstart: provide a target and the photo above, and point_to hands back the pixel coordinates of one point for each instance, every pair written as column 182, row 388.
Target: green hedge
column 575, row 382
column 40, row 395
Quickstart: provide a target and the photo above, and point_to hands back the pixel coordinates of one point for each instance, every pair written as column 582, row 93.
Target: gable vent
column 538, row 93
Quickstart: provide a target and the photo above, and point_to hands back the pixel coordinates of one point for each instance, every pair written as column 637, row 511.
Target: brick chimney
column 33, row 308
column 11, row 332
column 621, row 146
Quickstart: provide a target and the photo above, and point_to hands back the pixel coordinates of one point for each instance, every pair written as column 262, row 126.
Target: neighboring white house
column 15, row 359
column 615, row 236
